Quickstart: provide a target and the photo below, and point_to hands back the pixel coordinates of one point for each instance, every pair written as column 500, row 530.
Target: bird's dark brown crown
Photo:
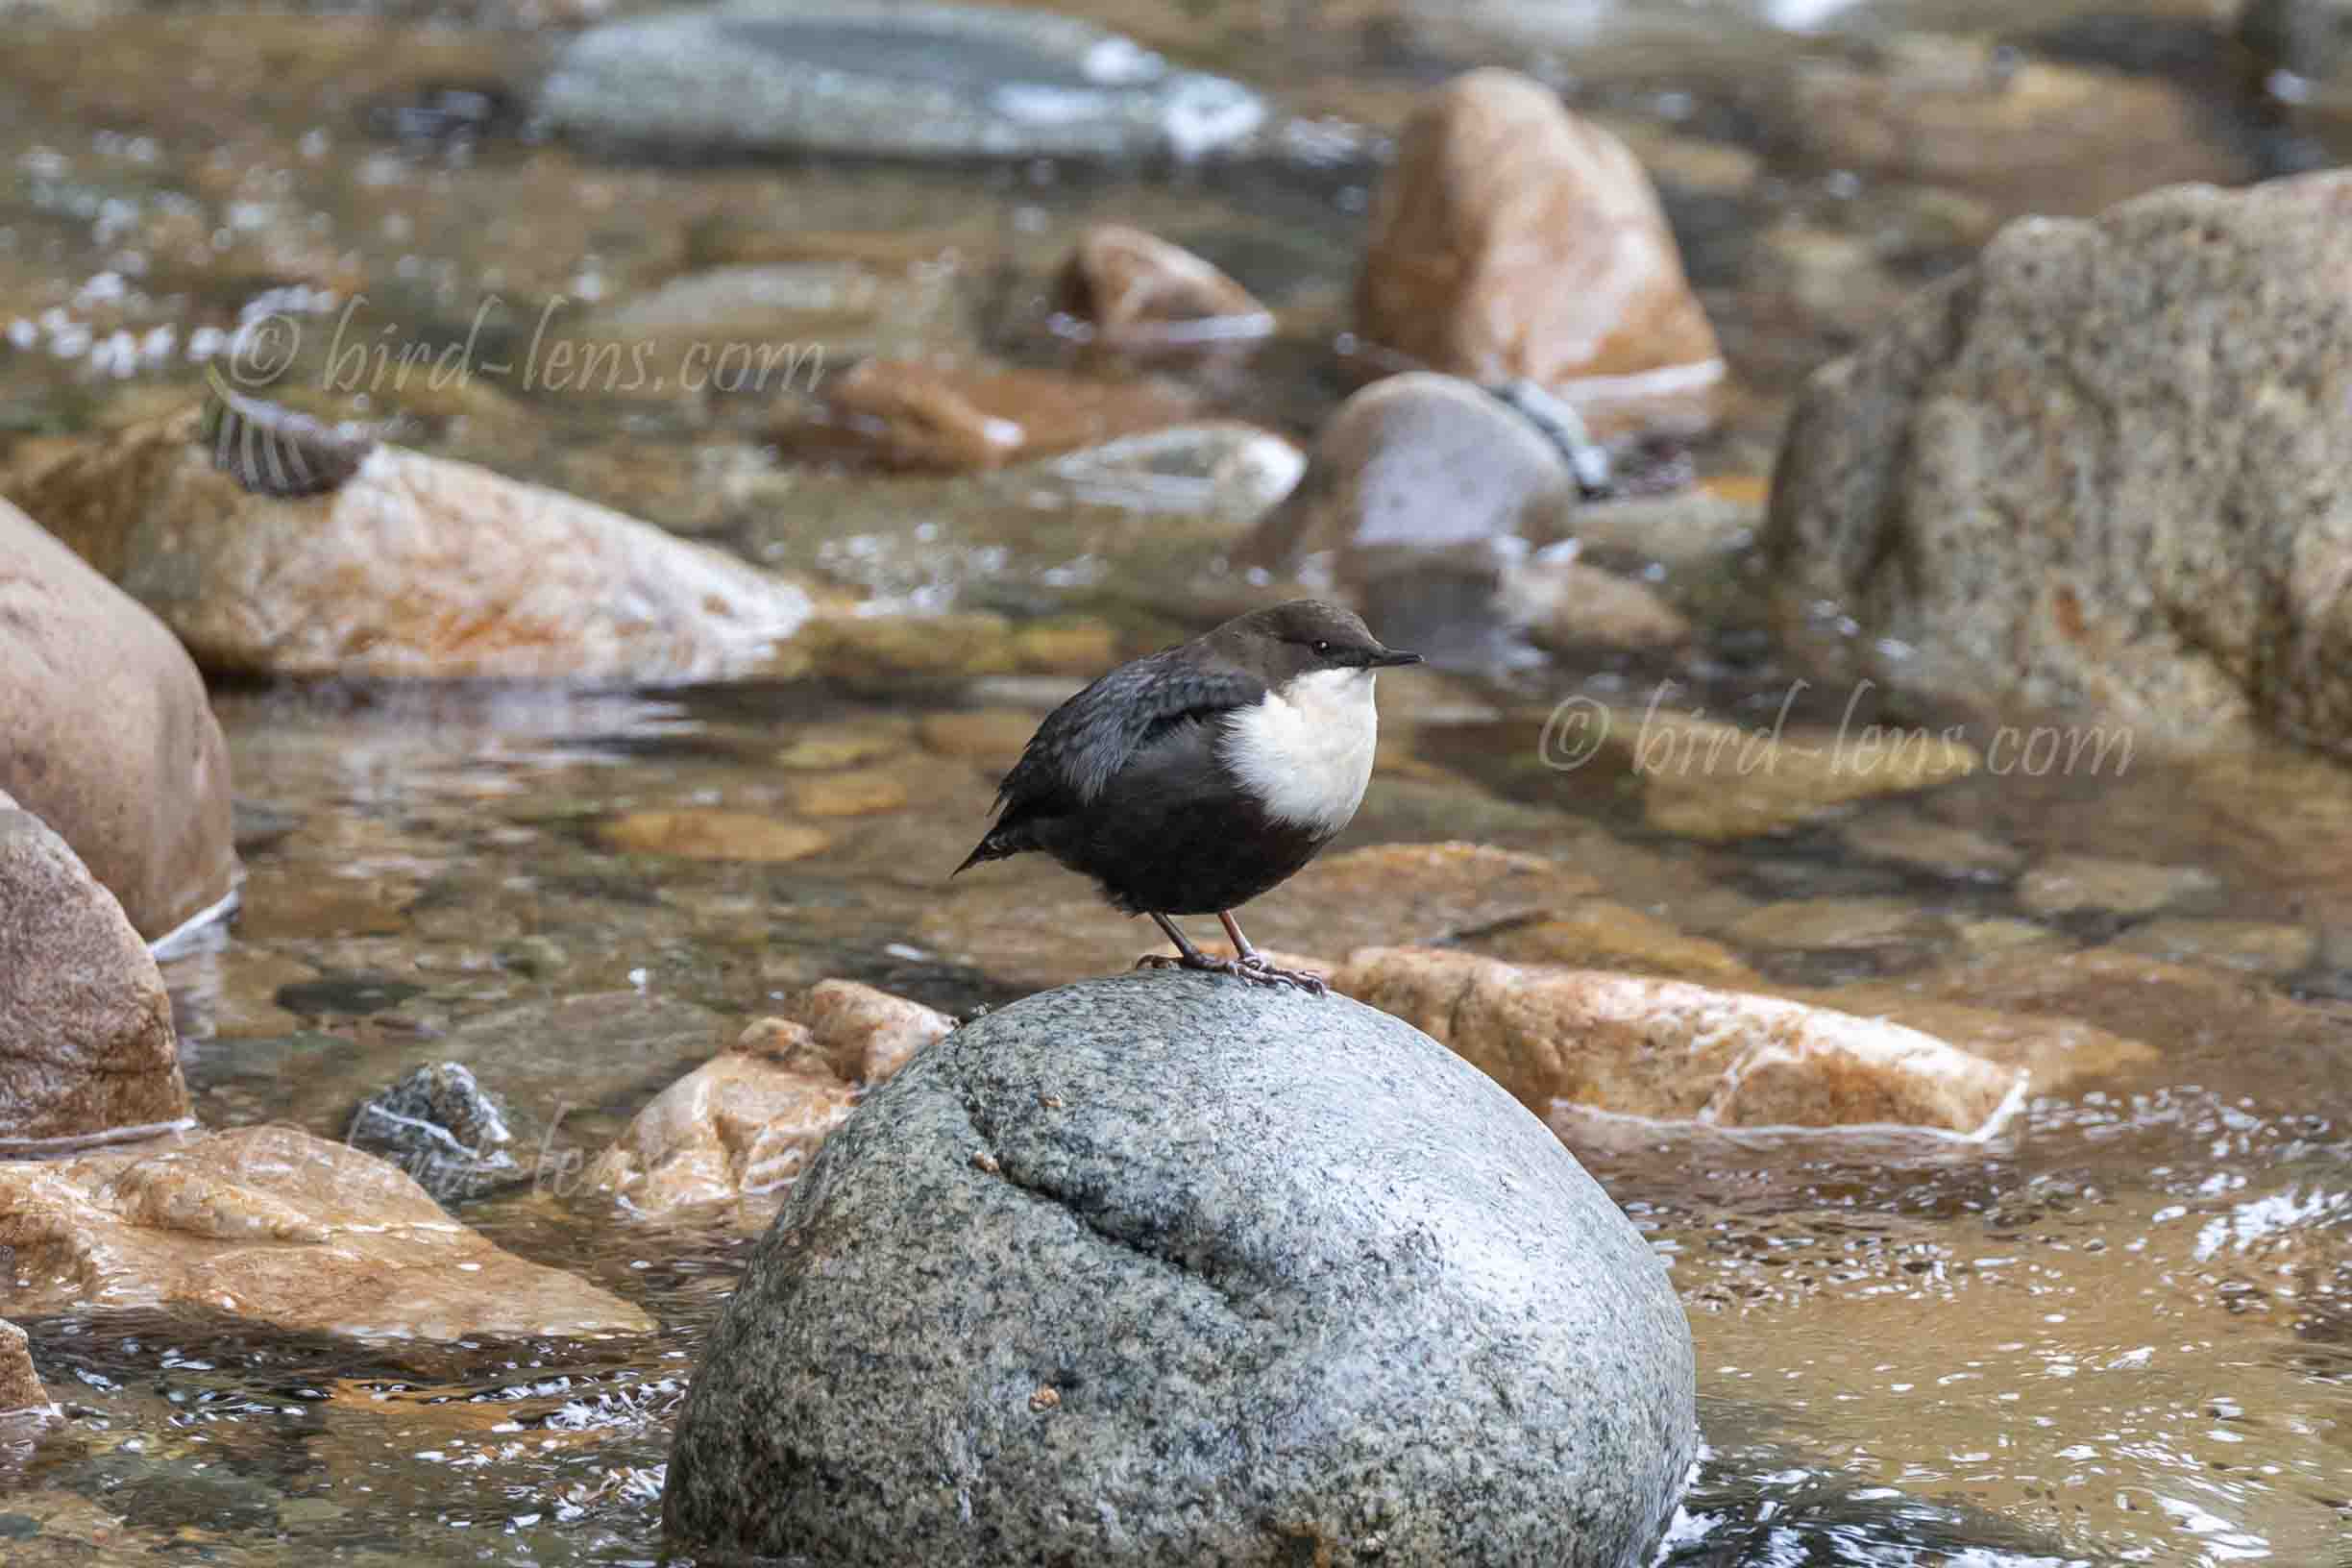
column 1285, row 641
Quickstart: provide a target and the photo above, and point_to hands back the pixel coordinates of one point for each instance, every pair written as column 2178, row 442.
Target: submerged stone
column 896, row 79
column 1159, row 1270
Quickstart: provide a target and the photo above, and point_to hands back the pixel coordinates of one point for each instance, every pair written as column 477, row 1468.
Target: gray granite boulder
column 886, row 77
column 1163, row 1268
column 2101, row 471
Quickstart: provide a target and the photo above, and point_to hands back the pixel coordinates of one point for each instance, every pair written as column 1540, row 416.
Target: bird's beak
column 1389, row 658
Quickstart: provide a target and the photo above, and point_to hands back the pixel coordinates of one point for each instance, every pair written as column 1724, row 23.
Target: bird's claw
column 1255, row 969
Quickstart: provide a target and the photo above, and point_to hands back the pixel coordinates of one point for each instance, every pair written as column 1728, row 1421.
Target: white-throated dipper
column 1190, row 781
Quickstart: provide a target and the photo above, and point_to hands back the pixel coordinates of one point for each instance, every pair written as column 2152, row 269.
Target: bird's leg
column 1187, row 956
column 1255, row 965
column 1250, row 965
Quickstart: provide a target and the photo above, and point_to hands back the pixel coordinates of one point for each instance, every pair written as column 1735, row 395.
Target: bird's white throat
column 1305, row 751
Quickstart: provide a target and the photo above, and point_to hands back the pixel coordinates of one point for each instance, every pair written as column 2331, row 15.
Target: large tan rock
column 2098, row 473
column 1673, row 1051
column 87, row 1046
column 741, row 1128
column 275, row 1226
column 142, row 798
column 415, row 567
column 737, row 1130
column 1514, row 238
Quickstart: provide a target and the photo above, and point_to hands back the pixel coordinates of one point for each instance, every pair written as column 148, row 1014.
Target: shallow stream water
column 2120, row 1332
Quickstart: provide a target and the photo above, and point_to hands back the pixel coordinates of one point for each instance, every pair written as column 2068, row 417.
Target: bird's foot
column 1258, row 967
column 1255, row 969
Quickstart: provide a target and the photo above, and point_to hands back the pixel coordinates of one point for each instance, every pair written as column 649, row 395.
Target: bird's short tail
column 1001, row 841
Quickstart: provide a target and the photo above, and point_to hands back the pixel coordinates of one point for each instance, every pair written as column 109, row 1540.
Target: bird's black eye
column 1322, row 648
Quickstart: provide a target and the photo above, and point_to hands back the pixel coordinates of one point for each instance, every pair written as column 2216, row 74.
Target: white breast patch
column 1308, row 755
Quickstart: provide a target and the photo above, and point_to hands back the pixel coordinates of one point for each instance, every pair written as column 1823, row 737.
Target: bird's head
column 1303, row 637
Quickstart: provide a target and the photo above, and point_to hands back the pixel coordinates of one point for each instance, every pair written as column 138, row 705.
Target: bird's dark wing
column 1084, row 743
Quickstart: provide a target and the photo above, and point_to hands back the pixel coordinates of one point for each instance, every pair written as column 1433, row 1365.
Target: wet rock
column 872, row 78
column 86, row 1046
column 920, row 414
column 781, row 326
column 1598, row 934
column 2063, row 479
column 417, row 568
column 1512, row 238
column 1716, row 782
column 714, row 835
column 2055, row 1052
column 1673, row 1051
column 142, row 799
column 1833, row 924
column 1916, row 843
column 272, row 1225
column 20, row 1385
column 2258, row 947
column 864, row 1035
column 1423, row 464
column 446, row 1131
column 1137, row 291
column 2076, row 884
column 1078, row 1253
column 1219, row 469
column 742, row 1128
column 1426, row 497
column 992, row 737
column 738, row 1130
column 2035, row 135
column 1571, row 604
column 832, row 746
column 863, row 792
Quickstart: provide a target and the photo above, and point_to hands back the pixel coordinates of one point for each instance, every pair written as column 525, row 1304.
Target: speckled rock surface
column 1159, row 1270
column 885, row 77
column 2102, row 472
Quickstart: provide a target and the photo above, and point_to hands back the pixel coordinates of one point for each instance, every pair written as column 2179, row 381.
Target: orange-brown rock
column 273, row 1225
column 1673, row 1051
column 87, row 1046
column 144, row 796
column 695, row 834
column 912, row 413
column 863, row 1035
column 738, row 1129
column 1139, row 291
column 417, row 567
column 1513, row 238
column 742, row 1127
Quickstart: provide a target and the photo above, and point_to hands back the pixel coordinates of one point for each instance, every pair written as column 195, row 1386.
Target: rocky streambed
column 1876, row 806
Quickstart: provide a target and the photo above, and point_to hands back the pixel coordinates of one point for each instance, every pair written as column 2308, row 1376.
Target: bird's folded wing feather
column 1084, row 743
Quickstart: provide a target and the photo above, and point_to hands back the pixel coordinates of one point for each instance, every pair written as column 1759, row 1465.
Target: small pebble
column 987, row 1162
column 1046, row 1397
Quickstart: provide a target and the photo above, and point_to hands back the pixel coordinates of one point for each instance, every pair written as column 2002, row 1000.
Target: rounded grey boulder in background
column 1166, row 1269
column 884, row 77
